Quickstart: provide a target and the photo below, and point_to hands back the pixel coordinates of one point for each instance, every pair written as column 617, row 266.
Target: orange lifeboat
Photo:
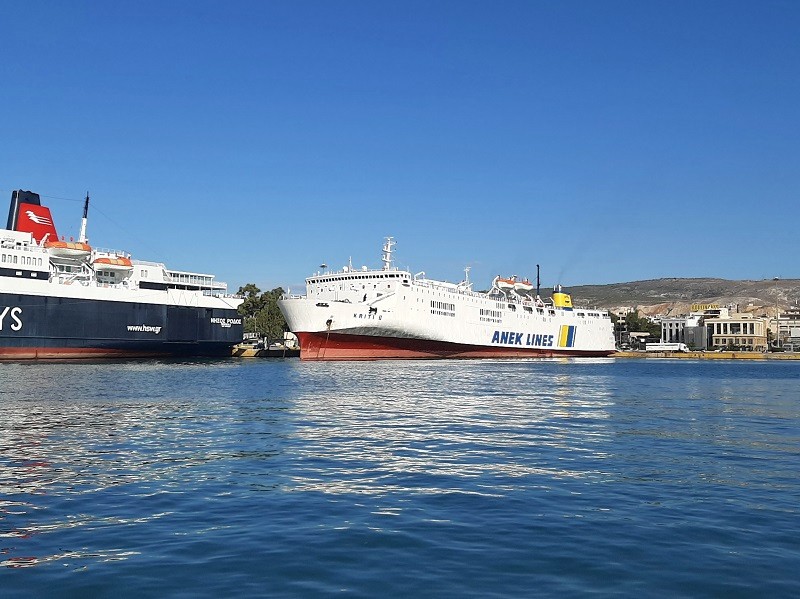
column 524, row 286
column 505, row 284
column 68, row 249
column 115, row 264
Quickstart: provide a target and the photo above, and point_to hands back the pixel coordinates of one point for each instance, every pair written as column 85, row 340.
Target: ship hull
column 325, row 346
column 47, row 327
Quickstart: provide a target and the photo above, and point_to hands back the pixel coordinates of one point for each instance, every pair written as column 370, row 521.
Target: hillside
column 675, row 296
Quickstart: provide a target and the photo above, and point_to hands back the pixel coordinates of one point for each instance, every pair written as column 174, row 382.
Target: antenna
column 82, row 236
column 538, row 282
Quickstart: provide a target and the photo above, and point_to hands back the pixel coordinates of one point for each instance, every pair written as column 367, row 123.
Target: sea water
column 278, row 478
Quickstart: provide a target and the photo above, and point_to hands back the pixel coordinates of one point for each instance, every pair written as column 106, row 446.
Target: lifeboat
column 525, row 286
column 115, row 264
column 68, row 249
column 505, row 284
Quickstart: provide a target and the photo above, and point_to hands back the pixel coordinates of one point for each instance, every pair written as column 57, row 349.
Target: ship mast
column 82, row 236
column 386, row 258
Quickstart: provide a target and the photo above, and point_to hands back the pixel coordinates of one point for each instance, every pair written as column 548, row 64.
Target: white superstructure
column 81, row 271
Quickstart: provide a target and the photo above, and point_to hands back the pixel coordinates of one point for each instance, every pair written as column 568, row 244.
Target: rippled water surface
column 444, row 478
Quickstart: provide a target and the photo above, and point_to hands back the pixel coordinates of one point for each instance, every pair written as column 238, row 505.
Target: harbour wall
column 722, row 355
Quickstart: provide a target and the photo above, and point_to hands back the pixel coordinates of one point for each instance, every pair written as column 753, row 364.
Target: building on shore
column 787, row 331
column 713, row 327
column 737, row 331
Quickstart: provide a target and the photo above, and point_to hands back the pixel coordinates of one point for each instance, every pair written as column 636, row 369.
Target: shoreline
column 711, row 355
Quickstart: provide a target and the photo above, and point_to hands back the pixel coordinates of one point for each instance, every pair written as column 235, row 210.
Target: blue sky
column 607, row 141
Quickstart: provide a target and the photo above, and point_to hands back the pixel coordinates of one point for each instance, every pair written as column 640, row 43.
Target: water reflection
column 111, row 446
column 454, row 427
column 105, row 461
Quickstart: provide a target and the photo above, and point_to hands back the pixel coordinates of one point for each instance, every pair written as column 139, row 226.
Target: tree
column 642, row 324
column 261, row 313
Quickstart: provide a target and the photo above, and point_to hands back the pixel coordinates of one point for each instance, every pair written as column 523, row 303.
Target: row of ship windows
column 496, row 313
column 23, row 260
column 358, row 277
column 467, row 299
column 443, row 306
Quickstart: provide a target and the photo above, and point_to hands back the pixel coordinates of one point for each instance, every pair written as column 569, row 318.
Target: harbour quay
column 711, row 355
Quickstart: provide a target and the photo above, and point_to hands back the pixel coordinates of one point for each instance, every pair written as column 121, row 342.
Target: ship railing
column 450, row 287
column 119, row 253
column 220, row 293
column 355, row 271
column 149, row 263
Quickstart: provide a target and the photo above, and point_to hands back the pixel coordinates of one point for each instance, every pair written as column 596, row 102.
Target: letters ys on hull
column 11, row 318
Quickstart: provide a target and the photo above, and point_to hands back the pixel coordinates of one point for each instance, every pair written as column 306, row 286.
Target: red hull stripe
column 336, row 346
column 68, row 353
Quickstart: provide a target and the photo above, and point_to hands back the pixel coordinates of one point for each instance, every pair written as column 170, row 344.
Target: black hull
column 35, row 327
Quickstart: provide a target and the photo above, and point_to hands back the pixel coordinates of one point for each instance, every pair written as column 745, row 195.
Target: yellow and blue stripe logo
column 566, row 337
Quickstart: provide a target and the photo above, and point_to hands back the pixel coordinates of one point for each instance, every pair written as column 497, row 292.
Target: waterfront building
column 788, row 327
column 740, row 331
column 691, row 329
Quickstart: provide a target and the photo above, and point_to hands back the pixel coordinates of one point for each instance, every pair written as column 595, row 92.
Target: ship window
column 4, row 257
column 15, row 259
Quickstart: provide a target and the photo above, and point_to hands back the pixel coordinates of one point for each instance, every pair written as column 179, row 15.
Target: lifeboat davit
column 525, row 286
column 115, row 264
column 68, row 249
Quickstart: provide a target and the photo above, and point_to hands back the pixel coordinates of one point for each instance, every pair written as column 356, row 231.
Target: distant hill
column 675, row 296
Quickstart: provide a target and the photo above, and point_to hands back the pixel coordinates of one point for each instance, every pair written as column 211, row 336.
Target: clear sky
column 607, row 141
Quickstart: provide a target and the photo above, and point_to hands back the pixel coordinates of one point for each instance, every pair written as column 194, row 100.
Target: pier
column 711, row 355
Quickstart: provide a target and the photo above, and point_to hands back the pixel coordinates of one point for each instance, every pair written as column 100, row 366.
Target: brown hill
column 675, row 296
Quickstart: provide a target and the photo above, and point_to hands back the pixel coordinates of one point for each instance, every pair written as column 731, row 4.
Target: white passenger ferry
column 391, row 313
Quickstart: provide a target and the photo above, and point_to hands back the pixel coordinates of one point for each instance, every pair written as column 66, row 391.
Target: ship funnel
column 18, row 197
column 561, row 299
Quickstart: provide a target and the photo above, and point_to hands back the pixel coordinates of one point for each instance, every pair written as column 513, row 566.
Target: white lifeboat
column 115, row 264
column 525, row 286
column 504, row 284
column 68, row 249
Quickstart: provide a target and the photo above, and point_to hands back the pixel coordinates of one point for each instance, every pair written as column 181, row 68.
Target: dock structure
column 711, row 355
column 251, row 352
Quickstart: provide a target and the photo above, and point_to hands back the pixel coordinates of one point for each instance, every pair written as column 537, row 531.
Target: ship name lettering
column 225, row 322
column 530, row 339
column 15, row 315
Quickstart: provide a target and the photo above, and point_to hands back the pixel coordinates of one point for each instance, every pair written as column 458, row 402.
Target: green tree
column 642, row 324
column 260, row 312
column 269, row 320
